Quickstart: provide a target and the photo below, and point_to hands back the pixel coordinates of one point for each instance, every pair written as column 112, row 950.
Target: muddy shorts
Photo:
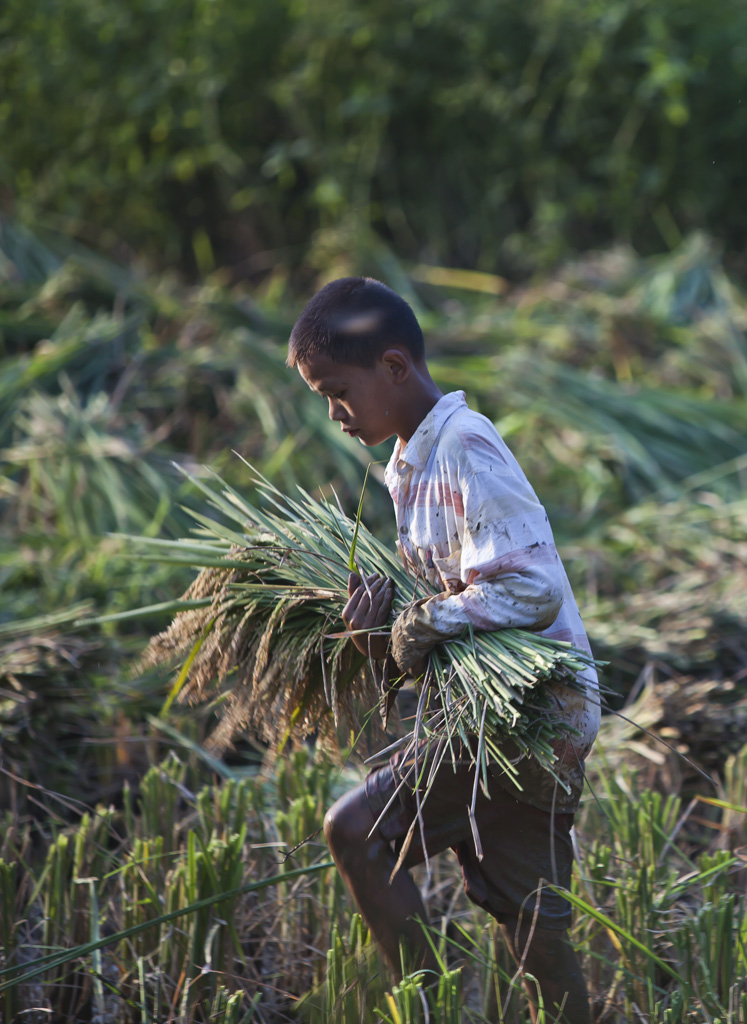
column 523, row 847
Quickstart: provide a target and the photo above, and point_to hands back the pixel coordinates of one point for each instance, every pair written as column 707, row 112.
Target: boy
column 467, row 520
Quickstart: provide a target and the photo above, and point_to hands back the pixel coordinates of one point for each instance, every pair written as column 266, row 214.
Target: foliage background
column 474, row 134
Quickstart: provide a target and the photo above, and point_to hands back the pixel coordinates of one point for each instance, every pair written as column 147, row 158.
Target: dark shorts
column 523, row 847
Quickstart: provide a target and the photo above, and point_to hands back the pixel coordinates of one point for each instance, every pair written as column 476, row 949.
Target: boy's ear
column 397, row 364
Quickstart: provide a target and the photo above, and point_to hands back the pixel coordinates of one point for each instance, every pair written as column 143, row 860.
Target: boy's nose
column 336, row 412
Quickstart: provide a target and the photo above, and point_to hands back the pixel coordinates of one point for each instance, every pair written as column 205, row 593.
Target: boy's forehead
column 321, row 372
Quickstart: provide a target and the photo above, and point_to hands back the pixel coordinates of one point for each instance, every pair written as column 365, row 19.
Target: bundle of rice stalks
column 262, row 620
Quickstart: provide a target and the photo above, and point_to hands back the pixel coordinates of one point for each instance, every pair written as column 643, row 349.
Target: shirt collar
column 419, row 447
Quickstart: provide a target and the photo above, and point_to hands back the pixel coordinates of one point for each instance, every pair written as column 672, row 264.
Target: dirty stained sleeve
column 503, row 572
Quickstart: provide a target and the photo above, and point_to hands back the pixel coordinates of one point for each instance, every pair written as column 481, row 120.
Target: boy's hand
column 414, row 636
column 367, row 609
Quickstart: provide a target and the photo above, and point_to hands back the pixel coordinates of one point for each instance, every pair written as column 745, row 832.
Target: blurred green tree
column 478, row 134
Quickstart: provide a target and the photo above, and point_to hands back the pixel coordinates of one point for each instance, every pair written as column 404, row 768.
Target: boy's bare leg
column 551, row 959
column 392, row 912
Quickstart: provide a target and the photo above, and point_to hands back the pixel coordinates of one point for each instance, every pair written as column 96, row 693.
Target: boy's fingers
column 370, row 586
column 360, row 600
column 380, row 604
column 353, row 612
column 350, row 608
column 369, row 606
column 383, row 594
column 378, row 591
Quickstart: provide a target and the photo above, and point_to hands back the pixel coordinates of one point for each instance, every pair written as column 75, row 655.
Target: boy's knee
column 348, row 822
column 334, row 827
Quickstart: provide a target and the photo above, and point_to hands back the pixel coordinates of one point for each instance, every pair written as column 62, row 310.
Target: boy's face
column 361, row 399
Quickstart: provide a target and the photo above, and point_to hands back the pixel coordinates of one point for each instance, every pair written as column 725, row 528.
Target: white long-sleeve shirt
column 469, row 521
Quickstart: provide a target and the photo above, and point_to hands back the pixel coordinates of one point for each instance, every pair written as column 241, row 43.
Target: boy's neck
column 422, row 395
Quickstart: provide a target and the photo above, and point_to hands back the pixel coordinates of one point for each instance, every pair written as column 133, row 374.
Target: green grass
column 190, row 898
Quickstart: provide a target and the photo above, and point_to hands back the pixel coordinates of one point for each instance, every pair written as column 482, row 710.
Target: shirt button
column 403, row 529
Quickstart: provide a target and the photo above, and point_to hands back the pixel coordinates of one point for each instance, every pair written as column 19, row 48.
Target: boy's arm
column 531, row 602
column 505, row 574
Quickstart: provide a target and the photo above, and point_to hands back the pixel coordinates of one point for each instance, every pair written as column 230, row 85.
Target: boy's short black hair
column 354, row 320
